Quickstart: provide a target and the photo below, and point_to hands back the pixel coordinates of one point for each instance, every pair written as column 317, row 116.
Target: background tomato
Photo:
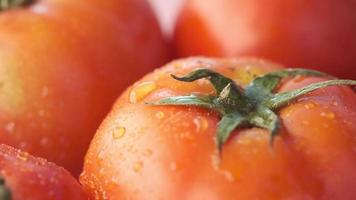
column 169, row 152
column 318, row 34
column 28, row 177
column 63, row 63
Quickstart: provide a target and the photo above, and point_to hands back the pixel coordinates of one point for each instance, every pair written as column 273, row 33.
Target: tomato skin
column 63, row 63
column 314, row 34
column 168, row 152
column 33, row 178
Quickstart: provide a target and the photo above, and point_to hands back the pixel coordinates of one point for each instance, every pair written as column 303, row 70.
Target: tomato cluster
column 196, row 128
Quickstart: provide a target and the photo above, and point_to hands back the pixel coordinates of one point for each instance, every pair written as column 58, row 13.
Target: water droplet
column 101, row 171
column 309, row 105
column 147, row 152
column 177, row 65
column 10, row 127
column 41, row 113
column 138, row 166
column 44, row 92
column 118, row 132
column 115, row 181
column 141, row 91
column 101, row 155
column 201, row 124
column 335, row 103
column 44, row 141
column 159, row 115
column 306, row 123
column 328, row 115
column 23, row 145
column 229, row 177
column 173, row 166
column 22, row 156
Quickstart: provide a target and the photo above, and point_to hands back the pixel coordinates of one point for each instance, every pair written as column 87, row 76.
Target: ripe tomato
column 142, row 151
column 318, row 34
column 63, row 63
column 32, row 178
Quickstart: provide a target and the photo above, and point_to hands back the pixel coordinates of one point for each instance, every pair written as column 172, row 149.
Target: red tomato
column 142, row 151
column 318, row 34
column 32, row 178
column 63, row 63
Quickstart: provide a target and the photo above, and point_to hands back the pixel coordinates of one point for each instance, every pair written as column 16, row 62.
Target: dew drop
column 22, row 156
column 141, row 91
column 44, row 92
column 101, row 155
column 328, row 115
column 159, row 115
column 118, row 132
column 44, row 141
column 10, row 127
column 306, row 123
column 201, row 124
column 147, row 152
column 309, row 106
column 138, row 166
column 173, row 166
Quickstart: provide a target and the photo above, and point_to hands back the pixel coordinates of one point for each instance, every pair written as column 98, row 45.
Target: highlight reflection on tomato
column 145, row 151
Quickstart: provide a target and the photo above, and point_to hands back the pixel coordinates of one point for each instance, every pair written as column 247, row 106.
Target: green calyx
column 5, row 193
column 254, row 106
column 7, row 4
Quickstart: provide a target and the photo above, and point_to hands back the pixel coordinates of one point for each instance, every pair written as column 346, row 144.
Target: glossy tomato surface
column 318, row 34
column 169, row 152
column 33, row 178
column 63, row 63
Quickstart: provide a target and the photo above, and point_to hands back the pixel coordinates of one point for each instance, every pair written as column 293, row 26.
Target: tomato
column 62, row 65
column 145, row 151
column 314, row 34
column 28, row 177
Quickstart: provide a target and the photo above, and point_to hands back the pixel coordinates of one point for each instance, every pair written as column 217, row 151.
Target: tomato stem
column 254, row 106
column 7, row 4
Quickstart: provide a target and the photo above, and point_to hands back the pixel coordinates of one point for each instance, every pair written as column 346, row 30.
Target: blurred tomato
column 319, row 34
column 63, row 63
column 31, row 178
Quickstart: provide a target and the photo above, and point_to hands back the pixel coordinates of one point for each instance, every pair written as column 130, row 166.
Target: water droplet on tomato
column 140, row 91
column 138, row 166
column 22, row 156
column 147, row 152
column 309, row 105
column 10, row 127
column 101, row 155
column 44, row 92
column 101, row 171
column 173, row 166
column 201, row 124
column 159, row 115
column 44, row 141
column 328, row 115
column 118, row 132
